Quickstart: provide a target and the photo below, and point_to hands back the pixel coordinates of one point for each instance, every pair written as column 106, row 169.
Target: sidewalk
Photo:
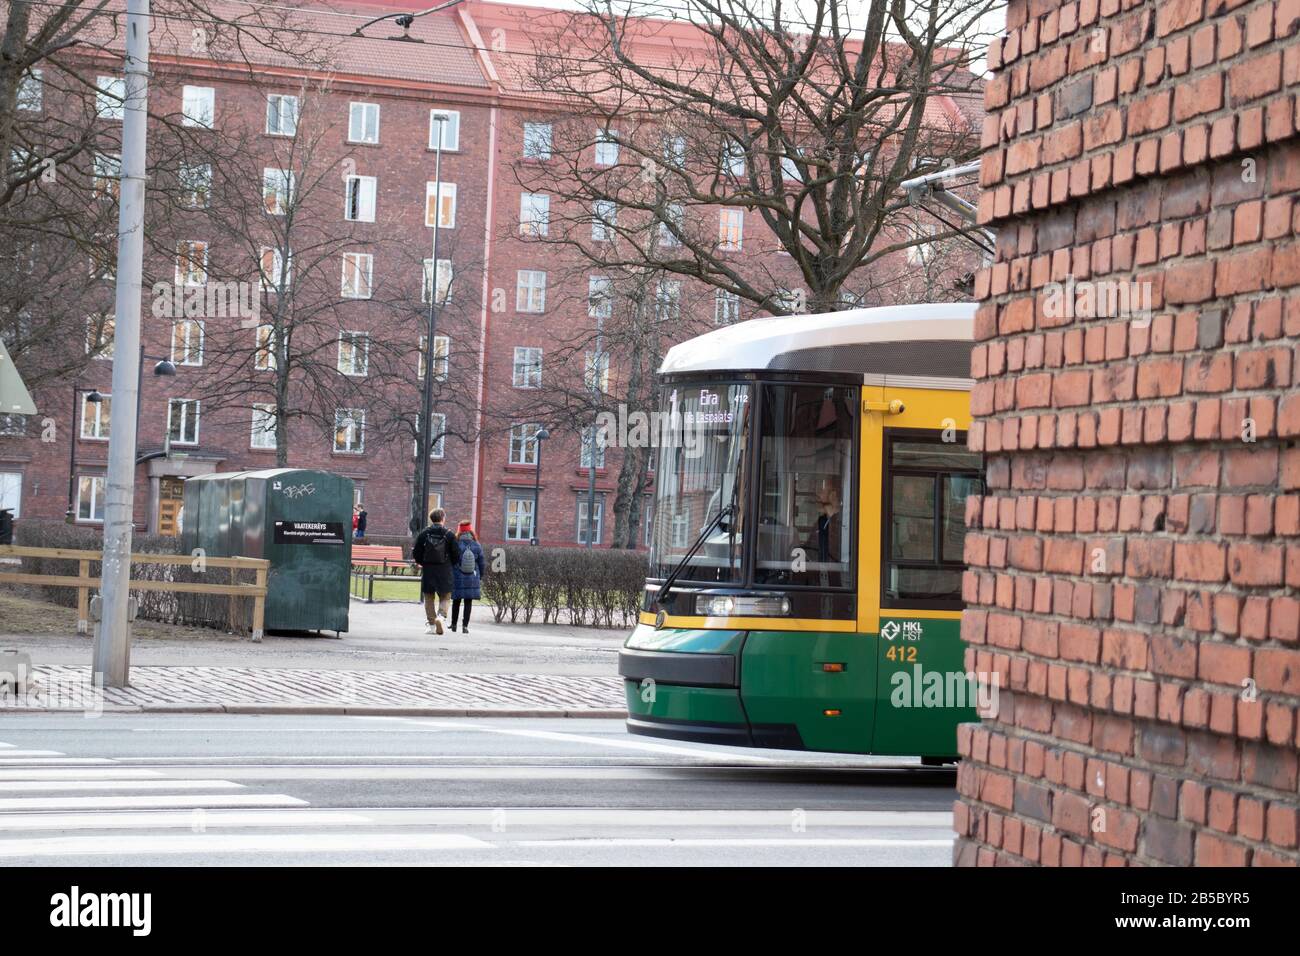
column 260, row 690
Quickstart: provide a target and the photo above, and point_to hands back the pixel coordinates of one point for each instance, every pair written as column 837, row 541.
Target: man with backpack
column 437, row 553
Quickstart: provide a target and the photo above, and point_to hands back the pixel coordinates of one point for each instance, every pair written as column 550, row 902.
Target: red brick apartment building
column 381, row 96
column 1134, row 570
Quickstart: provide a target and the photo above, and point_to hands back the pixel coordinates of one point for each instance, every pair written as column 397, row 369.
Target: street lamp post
column 426, row 416
column 164, row 367
column 541, row 436
column 94, row 397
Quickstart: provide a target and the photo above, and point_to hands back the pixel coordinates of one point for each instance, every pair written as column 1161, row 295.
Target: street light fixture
column 94, row 397
column 541, row 436
column 426, row 418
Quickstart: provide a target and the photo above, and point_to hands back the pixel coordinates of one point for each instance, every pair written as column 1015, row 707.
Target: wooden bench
column 377, row 556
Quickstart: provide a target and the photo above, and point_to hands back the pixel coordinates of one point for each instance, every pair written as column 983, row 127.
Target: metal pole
column 72, row 458
column 426, row 417
column 113, row 640
column 591, row 446
column 537, row 487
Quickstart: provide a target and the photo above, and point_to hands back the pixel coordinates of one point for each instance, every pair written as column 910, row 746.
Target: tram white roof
column 838, row 341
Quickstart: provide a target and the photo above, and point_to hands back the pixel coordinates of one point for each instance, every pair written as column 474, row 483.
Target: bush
column 200, row 610
column 599, row 587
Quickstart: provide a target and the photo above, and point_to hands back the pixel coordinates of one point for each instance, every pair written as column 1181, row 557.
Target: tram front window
column 805, row 535
column 701, row 470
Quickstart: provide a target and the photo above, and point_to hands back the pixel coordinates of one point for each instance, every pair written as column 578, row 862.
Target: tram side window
column 927, row 483
column 805, row 535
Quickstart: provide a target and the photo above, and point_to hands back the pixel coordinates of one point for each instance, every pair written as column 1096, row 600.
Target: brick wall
column 1135, row 564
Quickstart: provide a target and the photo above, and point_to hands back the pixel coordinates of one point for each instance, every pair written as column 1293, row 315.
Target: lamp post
column 541, row 436
column 165, row 367
column 95, row 398
column 426, row 416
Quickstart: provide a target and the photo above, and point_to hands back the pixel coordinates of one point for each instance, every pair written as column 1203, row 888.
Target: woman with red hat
column 467, row 574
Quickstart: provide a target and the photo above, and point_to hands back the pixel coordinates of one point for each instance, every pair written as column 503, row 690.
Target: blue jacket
column 468, row 585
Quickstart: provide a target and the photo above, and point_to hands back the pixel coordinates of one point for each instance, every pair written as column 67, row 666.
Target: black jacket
column 435, row 578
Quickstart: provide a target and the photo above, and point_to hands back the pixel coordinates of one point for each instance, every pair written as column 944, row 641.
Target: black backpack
column 435, row 547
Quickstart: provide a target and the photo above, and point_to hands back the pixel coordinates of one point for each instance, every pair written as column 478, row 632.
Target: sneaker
column 437, row 625
column 453, row 627
column 464, row 629
column 428, row 629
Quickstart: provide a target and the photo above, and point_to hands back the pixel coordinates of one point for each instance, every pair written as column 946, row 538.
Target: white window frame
column 584, row 501
column 607, row 147
column 107, row 175
column 526, row 368
column 185, row 406
column 198, row 106
column 444, row 268
column 522, row 513
column 441, row 357
column 604, row 220
column 96, row 428
column 281, row 114
column 600, row 297
column 676, row 213
column 438, row 432
column 360, row 196
column 731, row 229
column 352, row 422
column 185, row 250
column 726, row 307
column 354, row 353
column 450, row 130
column 538, row 140
column 11, row 492
column 523, row 439
column 673, row 151
column 266, row 411
column 446, row 192
column 191, row 178
column 110, row 97
column 265, row 358
column 351, row 283
column 530, row 292
column 100, row 337
column 277, row 275
column 31, row 91
column 595, row 370
column 668, row 300
column 534, row 214
column 96, row 485
column 590, row 435
column 364, row 111
column 733, row 161
column 189, row 351
column 277, row 190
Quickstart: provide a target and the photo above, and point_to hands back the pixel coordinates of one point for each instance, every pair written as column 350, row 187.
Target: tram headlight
column 726, row 605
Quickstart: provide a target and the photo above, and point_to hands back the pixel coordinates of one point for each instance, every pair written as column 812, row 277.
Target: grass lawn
column 390, row 590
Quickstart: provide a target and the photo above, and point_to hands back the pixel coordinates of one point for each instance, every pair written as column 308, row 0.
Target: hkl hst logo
column 910, row 630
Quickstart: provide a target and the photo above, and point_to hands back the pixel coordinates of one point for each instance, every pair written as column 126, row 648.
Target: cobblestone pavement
column 281, row 690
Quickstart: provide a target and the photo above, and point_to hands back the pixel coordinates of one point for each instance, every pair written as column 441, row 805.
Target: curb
column 327, row 710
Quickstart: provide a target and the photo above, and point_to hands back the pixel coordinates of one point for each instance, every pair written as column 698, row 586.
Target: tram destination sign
column 309, row 532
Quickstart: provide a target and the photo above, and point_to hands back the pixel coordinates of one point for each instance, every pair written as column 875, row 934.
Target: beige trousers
column 436, row 604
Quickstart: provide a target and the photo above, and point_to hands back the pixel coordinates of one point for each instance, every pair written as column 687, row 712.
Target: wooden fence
column 84, row 583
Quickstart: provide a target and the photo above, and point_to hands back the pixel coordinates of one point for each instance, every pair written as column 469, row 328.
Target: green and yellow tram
column 807, row 536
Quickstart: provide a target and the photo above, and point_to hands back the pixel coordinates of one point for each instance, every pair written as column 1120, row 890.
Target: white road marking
column 54, row 786
column 137, row 844
column 618, row 743
column 180, row 819
column 9, row 760
column 77, row 773
column 155, row 801
column 11, row 754
column 755, row 842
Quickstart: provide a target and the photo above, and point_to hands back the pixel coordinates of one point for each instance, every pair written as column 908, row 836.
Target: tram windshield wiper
column 714, row 522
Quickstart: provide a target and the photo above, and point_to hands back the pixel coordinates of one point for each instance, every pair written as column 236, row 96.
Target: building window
column 183, row 421
column 275, row 271
column 359, row 198
column 606, row 147
column 264, row 358
column 674, row 151
column 790, row 167
column 99, row 336
column 668, row 300
column 363, row 122
column 597, row 522
column 441, row 351
column 674, row 217
column 600, row 297
column 519, row 516
column 537, row 141
column 733, row 159
column 281, row 115
column 90, row 498
column 107, row 176
column 530, row 291
column 196, row 185
column 437, row 435
column 450, row 127
column 680, row 529
column 523, row 444
column 277, row 190
column 648, row 520
column 358, row 268
column 110, row 94
column 197, row 106
column 534, row 214
column 927, row 483
column 527, row 367
column 95, row 417
column 444, row 281
column 604, row 220
column 350, row 430
column 263, row 427
column 731, row 229
column 354, row 353
column 726, row 307
column 31, row 91
column 446, row 205
column 592, row 435
column 595, row 372
column 13, row 425
column 922, row 251
column 11, row 492
column 187, row 342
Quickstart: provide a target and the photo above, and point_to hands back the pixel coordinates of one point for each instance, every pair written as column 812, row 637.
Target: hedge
column 590, row 587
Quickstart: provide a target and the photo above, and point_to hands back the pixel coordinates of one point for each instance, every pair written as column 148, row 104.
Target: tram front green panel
column 922, row 693
column 783, row 680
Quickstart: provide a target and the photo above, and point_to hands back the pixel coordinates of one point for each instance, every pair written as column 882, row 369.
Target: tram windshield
column 701, row 470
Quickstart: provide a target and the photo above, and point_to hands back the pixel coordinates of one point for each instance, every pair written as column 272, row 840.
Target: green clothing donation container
column 299, row 520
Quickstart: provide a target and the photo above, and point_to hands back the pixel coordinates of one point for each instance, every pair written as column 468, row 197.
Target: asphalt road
column 147, row 790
